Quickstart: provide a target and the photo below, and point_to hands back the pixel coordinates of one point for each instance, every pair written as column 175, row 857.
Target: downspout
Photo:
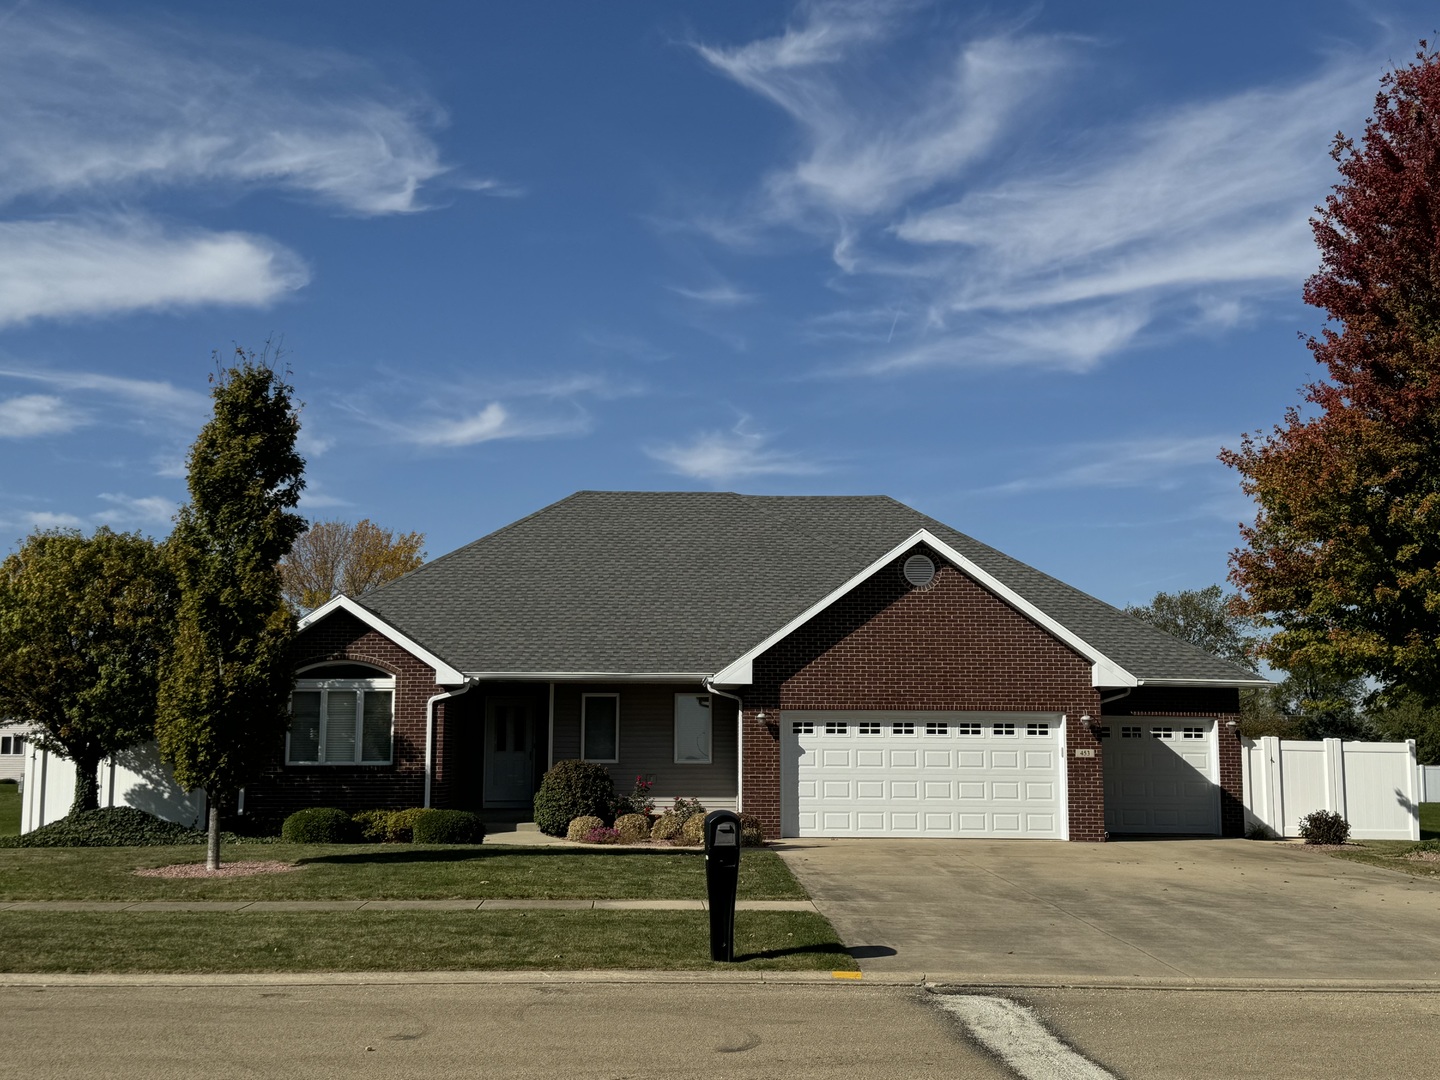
column 739, row 741
column 430, row 733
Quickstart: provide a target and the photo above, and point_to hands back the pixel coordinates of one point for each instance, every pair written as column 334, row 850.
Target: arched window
column 342, row 713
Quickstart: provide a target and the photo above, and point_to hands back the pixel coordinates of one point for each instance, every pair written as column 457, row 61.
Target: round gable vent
column 919, row 570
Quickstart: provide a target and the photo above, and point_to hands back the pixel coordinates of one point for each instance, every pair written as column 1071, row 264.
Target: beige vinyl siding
column 647, row 741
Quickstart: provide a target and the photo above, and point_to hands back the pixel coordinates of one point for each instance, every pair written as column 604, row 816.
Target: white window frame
column 12, row 745
column 709, row 730
column 584, row 698
column 360, row 686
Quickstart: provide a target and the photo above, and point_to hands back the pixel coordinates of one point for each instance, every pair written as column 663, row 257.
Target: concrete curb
column 935, row 982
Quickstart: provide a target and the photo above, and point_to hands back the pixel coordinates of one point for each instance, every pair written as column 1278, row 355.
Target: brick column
column 1232, row 778
column 1085, row 776
column 761, row 779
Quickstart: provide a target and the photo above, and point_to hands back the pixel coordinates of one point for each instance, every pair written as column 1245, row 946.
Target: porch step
column 510, row 826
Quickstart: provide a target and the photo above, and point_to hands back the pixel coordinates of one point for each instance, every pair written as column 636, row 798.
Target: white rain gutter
column 739, row 741
column 430, row 733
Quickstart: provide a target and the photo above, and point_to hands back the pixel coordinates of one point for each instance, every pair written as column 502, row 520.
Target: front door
column 509, row 754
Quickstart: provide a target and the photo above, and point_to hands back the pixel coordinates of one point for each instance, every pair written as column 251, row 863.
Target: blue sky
column 1026, row 267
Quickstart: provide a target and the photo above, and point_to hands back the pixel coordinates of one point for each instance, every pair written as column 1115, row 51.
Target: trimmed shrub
column 374, row 825
column 581, row 826
column 318, row 825
column 1324, row 827
column 1258, row 830
column 602, row 835
column 400, row 825
column 692, row 831
column 751, row 834
column 115, row 826
column 666, row 826
column 448, row 827
column 573, row 789
column 632, row 828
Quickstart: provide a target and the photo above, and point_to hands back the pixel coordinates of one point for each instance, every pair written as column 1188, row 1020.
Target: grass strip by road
column 387, row 872
column 9, row 809
column 48, row 942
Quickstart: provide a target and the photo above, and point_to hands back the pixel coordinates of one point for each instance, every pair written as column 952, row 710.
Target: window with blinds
column 342, row 722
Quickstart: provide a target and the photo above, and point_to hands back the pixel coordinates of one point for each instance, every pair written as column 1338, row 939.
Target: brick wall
column 951, row 645
column 283, row 789
column 1221, row 704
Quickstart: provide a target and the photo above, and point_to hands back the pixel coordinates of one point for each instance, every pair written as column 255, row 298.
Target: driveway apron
column 1169, row 910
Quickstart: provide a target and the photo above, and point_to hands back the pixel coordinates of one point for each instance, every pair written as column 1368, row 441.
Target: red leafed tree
column 1344, row 555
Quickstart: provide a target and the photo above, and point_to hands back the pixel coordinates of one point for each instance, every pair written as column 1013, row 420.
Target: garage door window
column 837, row 729
column 1163, row 732
column 1129, row 732
column 803, row 727
column 1003, row 729
column 967, row 729
column 937, row 729
column 869, row 729
column 902, row 729
column 1037, row 729
column 1194, row 732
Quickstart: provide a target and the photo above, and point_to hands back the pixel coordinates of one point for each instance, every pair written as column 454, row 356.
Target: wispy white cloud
column 96, row 104
column 1070, row 244
column 492, row 422
column 721, row 456
column 722, row 295
column 129, row 511
column 37, row 414
column 102, row 266
column 1157, row 463
column 869, row 144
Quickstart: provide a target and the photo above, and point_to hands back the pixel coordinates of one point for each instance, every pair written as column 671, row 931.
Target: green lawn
column 9, row 809
column 1430, row 821
column 410, row 941
column 386, row 872
column 1390, row 854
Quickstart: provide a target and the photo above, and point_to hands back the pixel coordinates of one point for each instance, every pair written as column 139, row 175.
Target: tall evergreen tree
column 223, row 703
column 84, row 623
column 1344, row 554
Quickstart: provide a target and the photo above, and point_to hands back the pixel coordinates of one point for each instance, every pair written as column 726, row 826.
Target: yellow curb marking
column 845, row 974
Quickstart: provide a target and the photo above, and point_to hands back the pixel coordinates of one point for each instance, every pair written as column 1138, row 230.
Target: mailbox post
column 722, row 872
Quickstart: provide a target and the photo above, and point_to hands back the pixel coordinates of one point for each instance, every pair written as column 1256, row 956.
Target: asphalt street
column 677, row 1030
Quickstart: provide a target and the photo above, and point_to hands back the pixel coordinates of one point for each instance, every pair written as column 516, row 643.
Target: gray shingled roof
column 651, row 582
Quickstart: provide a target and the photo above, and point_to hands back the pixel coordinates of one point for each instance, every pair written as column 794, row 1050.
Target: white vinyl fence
column 1373, row 786
column 136, row 777
column 1430, row 783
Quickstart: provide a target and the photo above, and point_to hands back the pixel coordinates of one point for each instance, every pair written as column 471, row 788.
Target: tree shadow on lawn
column 403, row 854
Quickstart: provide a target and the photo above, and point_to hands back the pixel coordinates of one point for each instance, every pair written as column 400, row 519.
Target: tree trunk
column 212, row 842
column 87, row 785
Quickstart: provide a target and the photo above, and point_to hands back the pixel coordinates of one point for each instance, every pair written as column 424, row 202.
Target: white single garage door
column 922, row 774
column 1161, row 776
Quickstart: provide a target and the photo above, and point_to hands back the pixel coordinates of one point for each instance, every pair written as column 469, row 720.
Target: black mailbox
column 722, row 872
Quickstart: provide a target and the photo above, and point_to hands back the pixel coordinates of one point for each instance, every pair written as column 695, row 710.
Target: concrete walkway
column 1171, row 911
column 273, row 906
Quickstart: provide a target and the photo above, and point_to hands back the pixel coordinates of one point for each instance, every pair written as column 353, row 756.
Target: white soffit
column 445, row 675
column 1103, row 670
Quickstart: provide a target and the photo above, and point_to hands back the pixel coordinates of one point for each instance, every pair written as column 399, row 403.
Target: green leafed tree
column 223, row 703
column 1205, row 617
column 334, row 556
column 84, row 624
column 1343, row 557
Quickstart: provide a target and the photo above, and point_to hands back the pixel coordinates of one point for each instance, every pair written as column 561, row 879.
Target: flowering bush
column 685, row 809
column 639, row 800
column 602, row 835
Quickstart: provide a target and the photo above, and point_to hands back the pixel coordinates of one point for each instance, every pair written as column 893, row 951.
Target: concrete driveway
column 1166, row 910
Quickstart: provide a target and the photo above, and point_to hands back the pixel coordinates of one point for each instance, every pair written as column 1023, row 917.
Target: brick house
column 837, row 666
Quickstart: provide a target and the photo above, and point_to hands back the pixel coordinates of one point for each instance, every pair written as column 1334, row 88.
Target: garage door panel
column 942, row 790
column 971, row 790
column 904, row 759
column 835, row 759
column 938, row 759
column 1004, row 759
column 870, row 759
column 1006, row 790
column 870, row 789
column 836, row 789
column 1039, row 759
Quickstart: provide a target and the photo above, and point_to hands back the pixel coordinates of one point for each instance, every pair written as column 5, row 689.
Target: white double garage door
column 975, row 774
column 922, row 774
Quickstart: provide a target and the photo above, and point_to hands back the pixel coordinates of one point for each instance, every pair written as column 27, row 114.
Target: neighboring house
column 14, row 738
column 836, row 666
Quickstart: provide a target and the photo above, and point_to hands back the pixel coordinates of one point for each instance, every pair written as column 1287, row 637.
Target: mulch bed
column 234, row 869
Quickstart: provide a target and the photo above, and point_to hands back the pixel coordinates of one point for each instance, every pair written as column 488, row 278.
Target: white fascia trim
column 445, row 675
column 592, row 676
column 1103, row 670
column 1219, row 684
